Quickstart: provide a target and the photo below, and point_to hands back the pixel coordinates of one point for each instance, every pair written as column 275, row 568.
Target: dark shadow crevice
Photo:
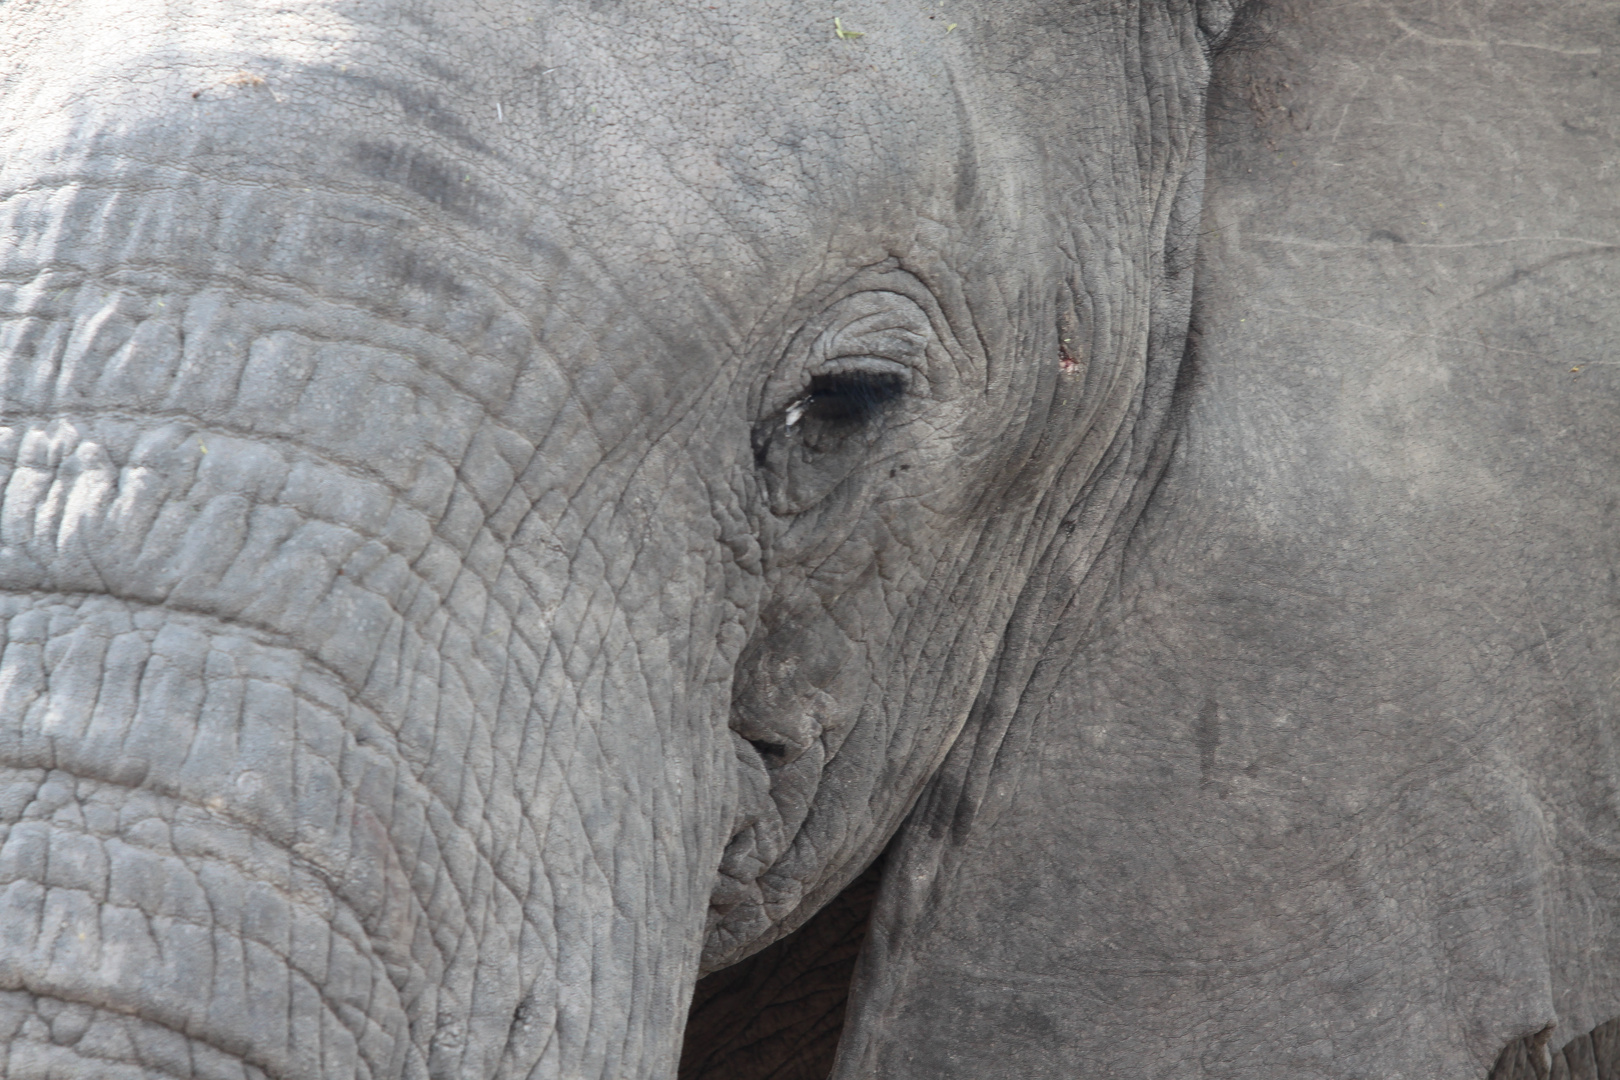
column 1593, row 1056
column 778, row 1014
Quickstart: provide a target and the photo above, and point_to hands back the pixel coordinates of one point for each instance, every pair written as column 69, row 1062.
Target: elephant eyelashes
column 858, row 371
column 850, row 398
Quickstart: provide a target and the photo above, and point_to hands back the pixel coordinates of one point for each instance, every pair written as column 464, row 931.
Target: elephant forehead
column 691, row 162
column 666, row 94
column 695, row 124
column 694, row 175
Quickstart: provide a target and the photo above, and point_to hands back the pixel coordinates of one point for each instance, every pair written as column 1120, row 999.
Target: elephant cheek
column 800, row 682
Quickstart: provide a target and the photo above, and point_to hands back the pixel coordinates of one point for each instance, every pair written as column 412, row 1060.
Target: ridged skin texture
column 503, row 506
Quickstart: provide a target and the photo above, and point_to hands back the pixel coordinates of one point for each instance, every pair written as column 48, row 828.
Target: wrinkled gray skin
column 436, row 626
column 1326, row 783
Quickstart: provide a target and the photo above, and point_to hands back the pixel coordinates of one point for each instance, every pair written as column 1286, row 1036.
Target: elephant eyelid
column 847, row 398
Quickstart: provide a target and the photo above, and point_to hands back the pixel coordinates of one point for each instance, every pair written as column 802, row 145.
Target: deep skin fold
column 383, row 528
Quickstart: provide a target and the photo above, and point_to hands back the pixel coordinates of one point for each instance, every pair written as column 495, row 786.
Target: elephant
column 509, row 509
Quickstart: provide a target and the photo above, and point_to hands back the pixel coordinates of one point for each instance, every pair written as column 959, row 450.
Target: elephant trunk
column 196, row 876
column 365, row 670
column 325, row 748
column 250, row 814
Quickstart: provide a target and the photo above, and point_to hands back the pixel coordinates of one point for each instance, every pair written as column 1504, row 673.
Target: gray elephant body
column 506, row 509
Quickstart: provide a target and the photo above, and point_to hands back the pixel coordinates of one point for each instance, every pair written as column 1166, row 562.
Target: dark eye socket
column 851, row 397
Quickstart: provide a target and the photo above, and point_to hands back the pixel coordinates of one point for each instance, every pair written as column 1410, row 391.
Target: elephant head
column 505, row 506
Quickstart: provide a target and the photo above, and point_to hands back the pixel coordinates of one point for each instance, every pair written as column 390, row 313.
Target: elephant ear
column 1312, row 774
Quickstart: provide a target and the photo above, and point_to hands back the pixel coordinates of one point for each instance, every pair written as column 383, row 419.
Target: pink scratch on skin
column 1066, row 362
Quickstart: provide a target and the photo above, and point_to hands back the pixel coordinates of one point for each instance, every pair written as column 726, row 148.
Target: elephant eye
column 847, row 398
